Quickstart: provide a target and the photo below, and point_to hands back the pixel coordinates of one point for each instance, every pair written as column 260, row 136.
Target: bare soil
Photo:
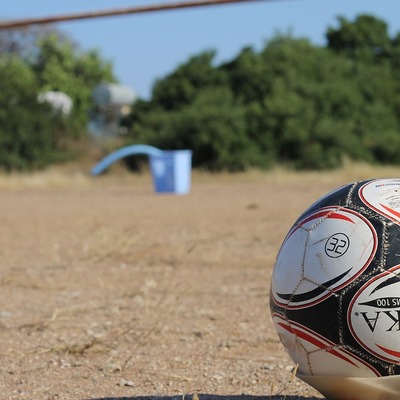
column 111, row 291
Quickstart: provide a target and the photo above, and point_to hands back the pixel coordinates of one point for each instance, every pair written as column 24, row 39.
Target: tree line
column 291, row 103
column 33, row 61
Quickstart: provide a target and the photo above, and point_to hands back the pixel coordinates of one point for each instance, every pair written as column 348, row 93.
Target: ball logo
column 374, row 315
column 317, row 257
column 337, row 245
column 383, row 196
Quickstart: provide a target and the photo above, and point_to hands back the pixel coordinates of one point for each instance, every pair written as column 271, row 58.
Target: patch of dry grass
column 74, row 174
column 349, row 172
column 51, row 177
column 78, row 175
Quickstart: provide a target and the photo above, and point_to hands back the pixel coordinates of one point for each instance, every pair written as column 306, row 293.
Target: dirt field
column 110, row 291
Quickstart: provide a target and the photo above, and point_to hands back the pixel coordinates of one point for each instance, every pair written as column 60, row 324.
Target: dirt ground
column 111, row 291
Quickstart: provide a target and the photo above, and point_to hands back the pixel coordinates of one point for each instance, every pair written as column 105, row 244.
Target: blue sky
column 146, row 47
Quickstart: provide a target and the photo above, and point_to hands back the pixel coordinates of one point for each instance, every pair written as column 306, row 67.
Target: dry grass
column 77, row 174
column 51, row 177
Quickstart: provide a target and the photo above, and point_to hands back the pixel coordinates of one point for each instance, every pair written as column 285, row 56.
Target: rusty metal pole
column 123, row 11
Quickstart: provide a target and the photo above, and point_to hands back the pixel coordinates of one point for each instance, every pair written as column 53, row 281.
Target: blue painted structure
column 124, row 152
column 171, row 170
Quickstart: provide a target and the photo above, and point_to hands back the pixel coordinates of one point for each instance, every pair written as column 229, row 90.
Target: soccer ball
column 335, row 287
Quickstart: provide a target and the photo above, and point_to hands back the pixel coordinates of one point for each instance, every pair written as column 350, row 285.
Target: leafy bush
column 31, row 134
column 294, row 103
column 213, row 126
column 33, row 61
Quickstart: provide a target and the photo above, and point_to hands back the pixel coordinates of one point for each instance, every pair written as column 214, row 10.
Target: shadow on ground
column 212, row 397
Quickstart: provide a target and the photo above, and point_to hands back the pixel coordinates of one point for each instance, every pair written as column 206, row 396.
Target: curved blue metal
column 124, row 152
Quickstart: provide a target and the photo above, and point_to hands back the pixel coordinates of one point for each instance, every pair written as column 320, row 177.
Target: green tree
column 181, row 87
column 60, row 65
column 213, row 126
column 32, row 61
column 365, row 39
column 22, row 42
column 31, row 135
column 247, row 75
column 293, row 102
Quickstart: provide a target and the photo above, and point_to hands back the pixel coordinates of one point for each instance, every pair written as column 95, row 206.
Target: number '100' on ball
column 335, row 291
